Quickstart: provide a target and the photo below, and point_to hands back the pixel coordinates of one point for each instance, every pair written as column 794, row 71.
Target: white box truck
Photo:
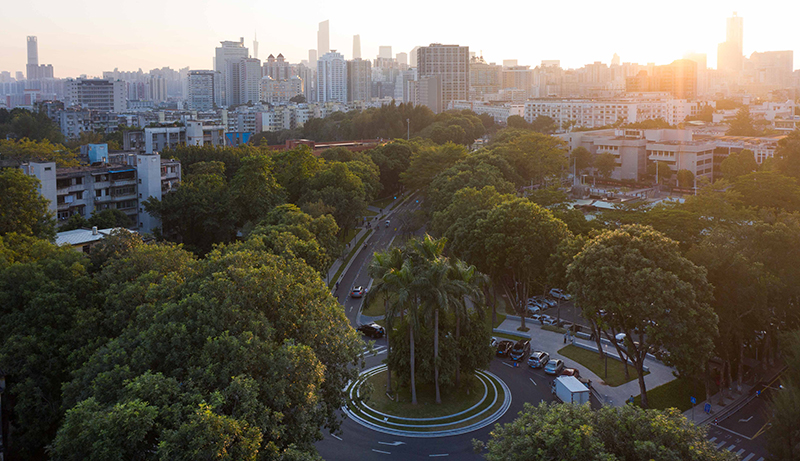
column 569, row 390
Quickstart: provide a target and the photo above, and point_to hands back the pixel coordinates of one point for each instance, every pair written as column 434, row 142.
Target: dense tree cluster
column 21, row 123
column 143, row 351
column 439, row 302
column 555, row 431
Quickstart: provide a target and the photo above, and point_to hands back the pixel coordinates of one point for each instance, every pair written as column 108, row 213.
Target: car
column 558, row 293
column 387, row 223
column 554, row 367
column 504, row 347
column 547, row 320
column 571, row 372
column 372, row 330
column 538, row 359
column 533, row 310
column 549, row 302
column 493, row 342
column 357, row 292
column 520, row 349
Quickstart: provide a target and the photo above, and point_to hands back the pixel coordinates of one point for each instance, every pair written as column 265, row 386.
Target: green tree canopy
column 562, row 431
column 22, row 209
column 739, row 164
column 605, row 164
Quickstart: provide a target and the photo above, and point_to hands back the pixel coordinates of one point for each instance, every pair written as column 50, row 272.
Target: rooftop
column 83, row 236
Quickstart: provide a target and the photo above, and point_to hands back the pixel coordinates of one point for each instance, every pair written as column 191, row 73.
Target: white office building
column 96, row 94
column 226, row 62
column 332, row 78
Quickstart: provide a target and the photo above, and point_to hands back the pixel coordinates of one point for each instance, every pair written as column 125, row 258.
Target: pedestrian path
column 552, row 342
column 374, row 352
column 742, row 453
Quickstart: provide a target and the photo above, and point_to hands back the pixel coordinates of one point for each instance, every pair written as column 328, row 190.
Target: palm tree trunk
column 458, row 348
column 388, row 351
column 740, row 371
column 413, row 381
column 524, row 299
column 436, row 354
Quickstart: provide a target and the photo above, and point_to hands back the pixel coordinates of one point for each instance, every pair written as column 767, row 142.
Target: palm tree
column 381, row 269
column 468, row 283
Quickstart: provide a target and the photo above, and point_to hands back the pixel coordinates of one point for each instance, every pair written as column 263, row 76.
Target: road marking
column 749, row 456
column 534, row 382
column 394, row 444
column 721, row 444
column 760, row 459
column 739, row 453
column 745, row 420
column 442, row 454
column 712, row 439
column 336, row 437
column 381, row 451
column 508, row 364
column 730, row 448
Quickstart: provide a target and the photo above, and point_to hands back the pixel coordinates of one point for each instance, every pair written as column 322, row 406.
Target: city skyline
column 70, row 44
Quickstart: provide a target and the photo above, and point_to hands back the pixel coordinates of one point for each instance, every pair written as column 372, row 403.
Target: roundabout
column 490, row 407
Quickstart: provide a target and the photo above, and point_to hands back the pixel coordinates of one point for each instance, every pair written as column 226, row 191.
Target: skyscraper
column 385, row 52
column 323, row 38
column 356, row 47
column 226, row 62
column 359, row 80
column 729, row 53
column 203, row 89
column 32, row 69
column 312, row 58
column 450, row 63
column 402, row 59
column 332, row 78
column 249, row 81
column 255, row 45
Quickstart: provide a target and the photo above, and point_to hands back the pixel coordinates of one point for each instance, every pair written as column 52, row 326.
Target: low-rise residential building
column 83, row 239
column 498, row 111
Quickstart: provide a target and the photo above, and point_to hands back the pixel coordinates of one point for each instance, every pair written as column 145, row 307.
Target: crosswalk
column 732, row 447
column 377, row 350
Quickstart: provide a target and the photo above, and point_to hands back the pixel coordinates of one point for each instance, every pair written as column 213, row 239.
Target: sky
column 90, row 36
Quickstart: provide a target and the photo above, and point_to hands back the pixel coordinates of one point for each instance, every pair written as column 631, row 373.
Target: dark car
column 538, row 359
column 554, row 367
column 357, row 292
column 372, row 330
column 522, row 347
column 504, row 347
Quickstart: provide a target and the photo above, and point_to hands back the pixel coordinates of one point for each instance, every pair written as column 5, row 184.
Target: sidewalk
column 552, row 342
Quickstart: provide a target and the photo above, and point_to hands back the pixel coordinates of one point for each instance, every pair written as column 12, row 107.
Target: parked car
column 554, row 367
column 534, row 317
column 547, row 320
column 357, row 292
column 533, row 310
column 538, row 359
column 520, row 349
column 372, row 330
column 493, row 342
column 504, row 347
column 571, row 372
column 558, row 293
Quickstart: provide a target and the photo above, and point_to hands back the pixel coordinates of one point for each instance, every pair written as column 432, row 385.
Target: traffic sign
column 707, row 408
column 694, row 400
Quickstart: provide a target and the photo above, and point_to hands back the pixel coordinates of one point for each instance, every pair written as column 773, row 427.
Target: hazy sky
column 90, row 36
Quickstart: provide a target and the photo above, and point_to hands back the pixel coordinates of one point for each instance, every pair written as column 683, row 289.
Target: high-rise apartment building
column 771, row 68
column 277, row 68
column 402, row 60
column 32, row 68
column 249, row 81
column 484, row 78
column 312, row 58
column 678, row 79
column 332, row 78
column 226, row 62
column 518, row 77
column 97, row 94
column 412, row 57
column 309, row 77
column 359, row 80
column 385, row 52
column 203, row 90
column 323, row 38
column 729, row 53
column 356, row 47
column 450, row 63
column 280, row 91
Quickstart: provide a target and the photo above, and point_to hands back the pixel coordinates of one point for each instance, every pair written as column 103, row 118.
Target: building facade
column 96, row 94
column 359, row 80
column 450, row 65
column 203, row 90
column 331, row 78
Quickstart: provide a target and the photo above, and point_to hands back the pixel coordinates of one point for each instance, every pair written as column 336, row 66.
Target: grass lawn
column 370, row 213
column 509, row 337
column 383, row 203
column 675, row 394
column 375, row 306
column 500, row 319
column 349, row 235
column 349, row 257
column 592, row 361
column 454, row 400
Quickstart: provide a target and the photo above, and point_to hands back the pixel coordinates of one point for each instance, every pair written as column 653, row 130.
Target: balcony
column 123, row 182
column 117, row 198
column 102, row 199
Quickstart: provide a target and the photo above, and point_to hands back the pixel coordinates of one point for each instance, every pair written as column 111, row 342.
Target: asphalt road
column 357, row 442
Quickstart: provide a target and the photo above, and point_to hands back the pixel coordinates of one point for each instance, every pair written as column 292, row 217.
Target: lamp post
column 605, row 356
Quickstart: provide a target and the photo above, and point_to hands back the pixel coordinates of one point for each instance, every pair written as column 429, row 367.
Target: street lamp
column 605, row 356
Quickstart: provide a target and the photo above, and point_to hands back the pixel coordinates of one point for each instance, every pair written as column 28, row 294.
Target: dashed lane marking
column 381, row 451
column 441, row 454
column 534, row 382
column 336, row 437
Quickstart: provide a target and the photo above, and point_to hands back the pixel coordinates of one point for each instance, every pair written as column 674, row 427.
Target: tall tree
column 635, row 281
column 254, row 192
column 605, row 164
column 742, row 124
column 739, row 164
column 22, row 209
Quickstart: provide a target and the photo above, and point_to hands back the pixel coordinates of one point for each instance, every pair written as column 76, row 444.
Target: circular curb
column 430, row 434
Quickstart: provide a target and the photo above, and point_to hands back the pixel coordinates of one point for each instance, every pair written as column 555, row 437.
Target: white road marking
column 721, row 444
column 749, row 456
column 381, row 451
column 336, row 437
column 730, row 448
column 442, row 454
column 508, row 365
column 745, row 420
column 534, row 382
column 712, row 439
column 394, row 444
column 739, row 453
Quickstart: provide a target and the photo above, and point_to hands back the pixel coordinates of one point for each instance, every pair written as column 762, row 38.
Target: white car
column 558, row 293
